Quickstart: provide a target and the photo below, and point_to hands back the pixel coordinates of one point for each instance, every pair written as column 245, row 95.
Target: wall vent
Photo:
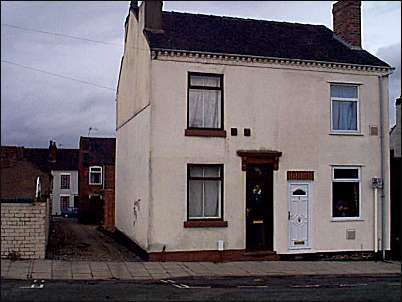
column 350, row 234
column 373, row 130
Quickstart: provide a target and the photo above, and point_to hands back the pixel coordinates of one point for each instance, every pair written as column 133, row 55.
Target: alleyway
column 72, row 241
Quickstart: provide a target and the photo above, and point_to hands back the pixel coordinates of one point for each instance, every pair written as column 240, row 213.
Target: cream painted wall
column 132, row 178
column 133, row 136
column 133, row 89
column 288, row 111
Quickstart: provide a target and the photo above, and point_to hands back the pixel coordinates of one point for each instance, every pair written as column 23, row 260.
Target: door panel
column 299, row 197
column 259, row 208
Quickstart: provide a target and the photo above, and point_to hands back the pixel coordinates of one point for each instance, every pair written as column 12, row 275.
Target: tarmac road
column 289, row 288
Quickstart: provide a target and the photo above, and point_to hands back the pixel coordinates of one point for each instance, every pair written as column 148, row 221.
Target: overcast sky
column 40, row 100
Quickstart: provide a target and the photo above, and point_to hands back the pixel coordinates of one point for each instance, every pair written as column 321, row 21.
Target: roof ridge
column 246, row 19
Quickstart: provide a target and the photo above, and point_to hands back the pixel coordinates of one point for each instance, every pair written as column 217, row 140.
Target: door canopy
column 259, row 157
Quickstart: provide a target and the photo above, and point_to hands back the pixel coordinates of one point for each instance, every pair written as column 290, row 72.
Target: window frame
column 189, row 87
column 60, row 203
column 220, row 178
column 69, row 181
column 101, row 175
column 346, row 180
column 340, row 99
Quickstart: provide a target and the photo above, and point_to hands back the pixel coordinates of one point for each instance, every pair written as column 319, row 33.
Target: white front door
column 298, row 215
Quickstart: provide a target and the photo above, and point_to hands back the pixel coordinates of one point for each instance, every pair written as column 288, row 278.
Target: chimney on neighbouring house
column 153, row 15
column 346, row 16
column 52, row 152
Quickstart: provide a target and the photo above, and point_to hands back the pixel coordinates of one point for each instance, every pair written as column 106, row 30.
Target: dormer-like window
column 95, row 175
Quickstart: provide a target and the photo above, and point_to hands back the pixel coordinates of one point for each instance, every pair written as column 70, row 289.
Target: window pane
column 64, row 181
column 211, row 171
column 195, row 206
column 95, row 169
column 344, row 91
column 64, row 203
column 344, row 115
column 346, row 173
column 196, row 172
column 195, row 108
column 212, row 198
column 212, row 109
column 95, row 178
column 205, row 81
column 204, row 108
column 345, row 199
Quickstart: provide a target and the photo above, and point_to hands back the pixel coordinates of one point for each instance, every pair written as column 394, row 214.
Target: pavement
column 96, row 270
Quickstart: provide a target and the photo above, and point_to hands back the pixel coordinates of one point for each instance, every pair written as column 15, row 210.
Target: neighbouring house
column 96, row 181
column 25, row 181
column 396, row 186
column 64, row 169
column 250, row 139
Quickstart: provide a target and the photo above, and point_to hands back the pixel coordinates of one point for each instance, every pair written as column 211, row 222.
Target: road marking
column 251, row 286
column 305, row 285
column 353, row 285
column 181, row 285
column 35, row 284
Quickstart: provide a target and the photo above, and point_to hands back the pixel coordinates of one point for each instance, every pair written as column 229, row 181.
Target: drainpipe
column 381, row 95
column 375, row 220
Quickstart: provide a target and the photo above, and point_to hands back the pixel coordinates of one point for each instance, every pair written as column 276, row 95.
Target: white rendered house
column 240, row 137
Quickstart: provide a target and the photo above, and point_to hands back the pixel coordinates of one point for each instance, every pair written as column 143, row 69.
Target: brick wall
column 24, row 230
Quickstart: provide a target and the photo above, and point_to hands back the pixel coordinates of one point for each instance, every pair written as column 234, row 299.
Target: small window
column 346, row 192
column 65, row 181
column 95, row 175
column 205, row 191
column 344, row 108
column 205, row 96
column 64, row 203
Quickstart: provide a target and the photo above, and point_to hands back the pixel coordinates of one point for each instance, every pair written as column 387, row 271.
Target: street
column 289, row 288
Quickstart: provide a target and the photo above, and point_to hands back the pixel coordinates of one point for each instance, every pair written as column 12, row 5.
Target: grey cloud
column 392, row 55
column 37, row 107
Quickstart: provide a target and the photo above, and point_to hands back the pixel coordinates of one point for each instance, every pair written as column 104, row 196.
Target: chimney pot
column 346, row 16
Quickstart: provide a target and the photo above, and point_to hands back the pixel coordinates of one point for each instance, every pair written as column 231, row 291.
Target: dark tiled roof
column 66, row 159
column 214, row 34
column 101, row 150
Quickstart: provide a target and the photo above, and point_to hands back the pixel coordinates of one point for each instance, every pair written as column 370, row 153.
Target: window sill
column 347, row 133
column 345, row 219
column 205, row 224
column 205, row 132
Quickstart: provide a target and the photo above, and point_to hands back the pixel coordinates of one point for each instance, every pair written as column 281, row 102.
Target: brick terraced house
column 96, row 181
column 250, row 139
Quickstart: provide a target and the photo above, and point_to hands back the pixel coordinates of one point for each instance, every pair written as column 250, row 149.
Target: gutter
column 294, row 61
column 382, row 160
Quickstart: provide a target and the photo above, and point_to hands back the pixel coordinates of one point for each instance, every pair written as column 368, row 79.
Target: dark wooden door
column 259, row 207
column 96, row 211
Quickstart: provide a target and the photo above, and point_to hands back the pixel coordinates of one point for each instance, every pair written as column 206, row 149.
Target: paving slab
column 80, row 268
column 119, row 270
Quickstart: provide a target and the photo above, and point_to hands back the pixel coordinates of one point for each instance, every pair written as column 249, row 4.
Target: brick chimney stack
column 153, row 15
column 346, row 16
column 52, row 152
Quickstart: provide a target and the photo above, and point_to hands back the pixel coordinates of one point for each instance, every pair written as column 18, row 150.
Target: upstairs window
column 205, row 101
column 95, row 175
column 344, row 108
column 65, row 181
